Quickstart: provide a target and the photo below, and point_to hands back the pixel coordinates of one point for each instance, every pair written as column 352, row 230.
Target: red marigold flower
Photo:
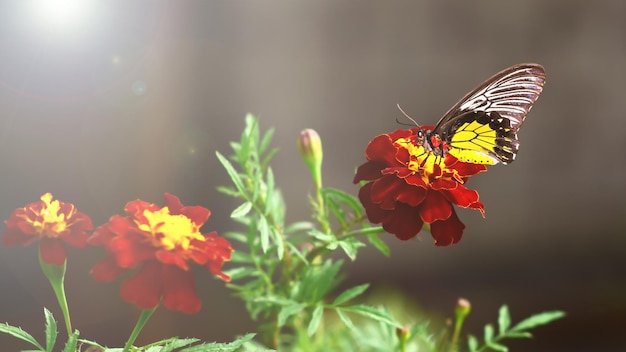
column 53, row 223
column 409, row 187
column 161, row 241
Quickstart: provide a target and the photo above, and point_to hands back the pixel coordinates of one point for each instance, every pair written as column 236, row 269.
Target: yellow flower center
column 170, row 231
column 50, row 221
column 423, row 162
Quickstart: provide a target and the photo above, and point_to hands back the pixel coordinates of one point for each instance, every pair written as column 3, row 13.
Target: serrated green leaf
column 234, row 176
column 504, row 319
column 72, row 341
column 175, row 343
column 20, row 334
column 346, row 319
column 349, row 294
column 472, row 343
column 537, row 320
column 264, row 232
column 220, row 347
column 241, row 210
column 498, row 347
column 488, row 335
column 372, row 313
column 51, row 330
column 287, row 311
column 379, row 244
column 316, row 318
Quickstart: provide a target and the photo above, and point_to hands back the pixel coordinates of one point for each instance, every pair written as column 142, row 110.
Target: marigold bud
column 462, row 309
column 310, row 147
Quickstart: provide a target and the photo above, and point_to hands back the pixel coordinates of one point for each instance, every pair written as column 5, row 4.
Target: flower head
column 409, row 186
column 161, row 242
column 53, row 223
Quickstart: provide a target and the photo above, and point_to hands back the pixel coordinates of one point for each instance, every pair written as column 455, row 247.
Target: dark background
column 135, row 100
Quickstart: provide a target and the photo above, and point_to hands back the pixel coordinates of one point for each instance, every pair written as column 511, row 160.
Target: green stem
column 56, row 277
column 141, row 322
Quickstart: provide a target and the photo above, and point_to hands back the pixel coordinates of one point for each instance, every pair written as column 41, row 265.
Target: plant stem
column 56, row 277
column 141, row 322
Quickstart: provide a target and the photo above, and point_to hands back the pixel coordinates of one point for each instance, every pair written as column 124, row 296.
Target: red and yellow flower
column 52, row 222
column 408, row 186
column 161, row 242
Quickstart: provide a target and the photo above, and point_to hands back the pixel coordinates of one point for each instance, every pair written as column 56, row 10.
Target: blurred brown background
column 134, row 99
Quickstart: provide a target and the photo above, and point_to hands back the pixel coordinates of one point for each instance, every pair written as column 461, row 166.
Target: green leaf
column 504, row 319
column 373, row 313
column 241, row 210
column 488, row 333
column 349, row 294
column 498, row 347
column 317, row 281
column 344, row 198
column 264, row 231
column 316, row 318
column 350, row 247
column 220, row 347
column 379, row 244
column 20, row 334
column 287, row 311
column 51, row 330
column 173, row 344
column 72, row 341
column 518, row 335
column 537, row 320
column 280, row 245
column 300, row 226
column 241, row 272
column 268, row 157
column 269, row 193
column 266, row 140
column 346, row 319
column 234, row 176
column 472, row 343
column 241, row 258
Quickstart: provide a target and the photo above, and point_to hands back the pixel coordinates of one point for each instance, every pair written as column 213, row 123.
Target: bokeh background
column 119, row 100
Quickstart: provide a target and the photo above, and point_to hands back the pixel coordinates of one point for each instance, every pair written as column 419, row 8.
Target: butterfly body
column 482, row 127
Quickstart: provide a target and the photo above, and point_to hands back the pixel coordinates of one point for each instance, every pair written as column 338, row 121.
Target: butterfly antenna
column 407, row 116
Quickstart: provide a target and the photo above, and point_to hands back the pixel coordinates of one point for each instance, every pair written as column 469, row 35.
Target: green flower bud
column 310, row 147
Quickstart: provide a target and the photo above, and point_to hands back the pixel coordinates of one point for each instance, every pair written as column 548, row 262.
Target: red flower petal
column 106, row 270
column 462, row 196
column 404, row 222
column 447, row 232
column 369, row 171
column 144, row 289
column 381, row 149
column 384, row 191
column 179, row 290
column 435, row 207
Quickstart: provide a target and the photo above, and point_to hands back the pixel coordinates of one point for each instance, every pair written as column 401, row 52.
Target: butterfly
column 482, row 127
